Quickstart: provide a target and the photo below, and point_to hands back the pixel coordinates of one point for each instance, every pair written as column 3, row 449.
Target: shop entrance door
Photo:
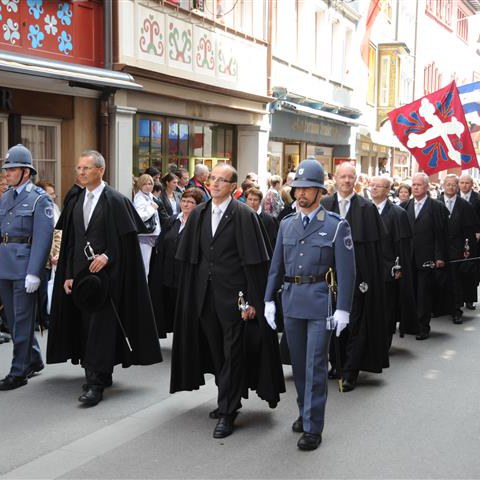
column 292, row 158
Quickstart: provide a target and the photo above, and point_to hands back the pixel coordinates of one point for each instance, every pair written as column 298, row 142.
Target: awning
column 76, row 75
column 313, row 112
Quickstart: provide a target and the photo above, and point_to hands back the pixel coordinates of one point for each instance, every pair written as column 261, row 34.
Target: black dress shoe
column 91, row 396
column 224, row 427
column 309, row 441
column 333, row 374
column 4, row 337
column 457, row 317
column 422, row 336
column 297, row 425
column 348, row 385
column 10, row 382
column 33, row 369
column 470, row 306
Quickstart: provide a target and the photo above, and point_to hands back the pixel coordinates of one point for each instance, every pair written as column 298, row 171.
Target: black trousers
column 424, row 283
column 99, row 341
column 224, row 335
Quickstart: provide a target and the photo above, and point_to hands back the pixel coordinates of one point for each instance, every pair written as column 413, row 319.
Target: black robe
column 368, row 310
column 128, row 289
column 163, row 277
column 190, row 352
column 398, row 243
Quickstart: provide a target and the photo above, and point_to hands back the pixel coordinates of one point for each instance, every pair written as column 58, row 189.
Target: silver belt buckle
column 88, row 251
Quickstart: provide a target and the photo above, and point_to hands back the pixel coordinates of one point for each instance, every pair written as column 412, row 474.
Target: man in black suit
column 100, row 230
column 429, row 221
column 363, row 343
column 471, row 279
column 222, row 253
column 397, row 254
column 462, row 224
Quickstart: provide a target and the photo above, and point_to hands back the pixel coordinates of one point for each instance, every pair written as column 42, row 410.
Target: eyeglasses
column 219, row 180
column 378, row 186
column 191, row 202
column 84, row 169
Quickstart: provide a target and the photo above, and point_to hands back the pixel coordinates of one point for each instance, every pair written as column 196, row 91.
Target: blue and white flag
column 470, row 98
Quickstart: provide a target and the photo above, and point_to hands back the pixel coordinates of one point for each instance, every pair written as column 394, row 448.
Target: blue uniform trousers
column 20, row 309
column 308, row 342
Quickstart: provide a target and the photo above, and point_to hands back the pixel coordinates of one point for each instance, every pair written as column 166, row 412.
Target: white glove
column 341, row 318
column 270, row 314
column 32, row 283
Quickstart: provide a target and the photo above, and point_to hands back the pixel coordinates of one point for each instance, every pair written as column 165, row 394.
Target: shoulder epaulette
column 291, row 214
column 334, row 214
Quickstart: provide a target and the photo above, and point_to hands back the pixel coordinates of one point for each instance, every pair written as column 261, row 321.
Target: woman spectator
column 404, row 192
column 147, row 207
column 170, row 197
column 273, row 203
column 51, row 265
column 163, row 278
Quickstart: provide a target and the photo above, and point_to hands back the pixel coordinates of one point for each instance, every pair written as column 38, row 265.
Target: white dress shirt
column 96, row 196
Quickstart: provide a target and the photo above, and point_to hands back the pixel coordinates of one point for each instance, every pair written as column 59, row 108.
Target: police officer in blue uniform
column 26, row 225
column 309, row 243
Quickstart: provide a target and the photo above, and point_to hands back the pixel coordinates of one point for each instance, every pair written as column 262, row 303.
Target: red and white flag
column 435, row 131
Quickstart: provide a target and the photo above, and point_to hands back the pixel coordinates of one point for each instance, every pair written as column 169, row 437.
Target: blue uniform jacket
column 325, row 243
column 29, row 215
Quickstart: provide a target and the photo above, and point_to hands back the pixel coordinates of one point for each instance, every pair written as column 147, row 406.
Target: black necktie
column 15, row 194
column 306, row 221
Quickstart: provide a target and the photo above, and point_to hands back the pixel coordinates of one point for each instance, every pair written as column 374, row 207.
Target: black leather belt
column 299, row 279
column 8, row 239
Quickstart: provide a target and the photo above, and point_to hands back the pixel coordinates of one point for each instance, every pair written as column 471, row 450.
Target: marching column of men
column 394, row 265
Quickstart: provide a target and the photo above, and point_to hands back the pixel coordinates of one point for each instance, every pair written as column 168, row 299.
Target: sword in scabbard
column 331, row 282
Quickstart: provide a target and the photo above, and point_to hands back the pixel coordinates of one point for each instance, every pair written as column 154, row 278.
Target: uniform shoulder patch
column 49, row 212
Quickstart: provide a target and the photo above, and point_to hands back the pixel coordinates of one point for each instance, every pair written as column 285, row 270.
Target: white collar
column 97, row 191
column 223, row 206
column 347, row 198
column 381, row 206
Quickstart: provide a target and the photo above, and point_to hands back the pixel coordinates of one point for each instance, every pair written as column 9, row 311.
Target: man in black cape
column 96, row 339
column 397, row 254
column 223, row 253
column 363, row 344
column 429, row 221
column 462, row 224
column 472, row 277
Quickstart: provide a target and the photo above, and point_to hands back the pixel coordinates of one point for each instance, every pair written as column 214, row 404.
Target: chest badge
column 322, row 233
column 24, row 204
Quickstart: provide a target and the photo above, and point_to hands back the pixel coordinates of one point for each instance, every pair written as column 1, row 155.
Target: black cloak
column 368, row 309
column 127, row 288
column 398, row 243
column 190, row 352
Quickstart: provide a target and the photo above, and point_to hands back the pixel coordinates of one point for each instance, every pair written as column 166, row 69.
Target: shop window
column 162, row 142
column 178, row 135
column 149, row 141
column 42, row 138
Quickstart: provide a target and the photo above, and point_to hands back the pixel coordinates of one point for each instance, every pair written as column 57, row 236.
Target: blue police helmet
column 19, row 156
column 309, row 174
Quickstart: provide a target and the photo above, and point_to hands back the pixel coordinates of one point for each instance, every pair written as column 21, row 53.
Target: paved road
column 420, row 419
